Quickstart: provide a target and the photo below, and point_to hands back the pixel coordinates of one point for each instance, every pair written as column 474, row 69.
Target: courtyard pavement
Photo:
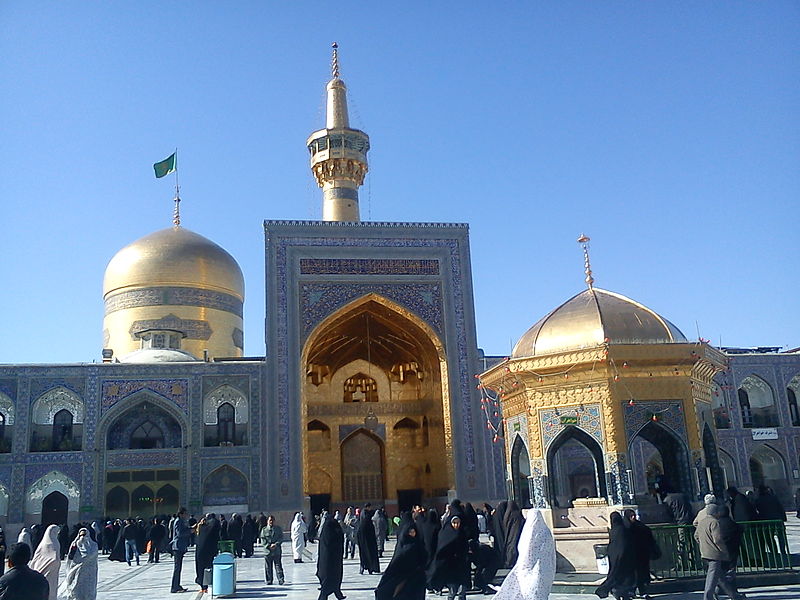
column 118, row 581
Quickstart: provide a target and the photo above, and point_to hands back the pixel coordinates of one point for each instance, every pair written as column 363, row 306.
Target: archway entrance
column 376, row 370
column 575, row 467
column 767, row 468
column 55, row 508
column 712, row 462
column 362, row 468
column 520, row 471
column 670, row 457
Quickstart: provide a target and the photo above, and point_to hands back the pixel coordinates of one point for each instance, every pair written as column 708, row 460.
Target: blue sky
column 667, row 131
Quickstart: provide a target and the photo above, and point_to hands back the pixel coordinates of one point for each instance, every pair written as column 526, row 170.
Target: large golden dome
column 590, row 318
column 173, row 289
column 174, row 256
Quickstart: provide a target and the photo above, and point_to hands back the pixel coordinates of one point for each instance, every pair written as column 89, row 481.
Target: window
column 62, row 430
column 226, row 426
column 147, row 436
column 793, row 407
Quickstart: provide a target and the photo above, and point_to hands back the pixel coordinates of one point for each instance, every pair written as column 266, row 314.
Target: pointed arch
column 571, row 444
column 7, row 409
column 225, row 485
column 362, row 460
column 768, row 467
column 54, row 481
column 729, row 469
column 319, row 436
column 222, row 395
column 674, row 455
column 520, row 472
column 175, row 434
column 52, row 401
column 757, row 403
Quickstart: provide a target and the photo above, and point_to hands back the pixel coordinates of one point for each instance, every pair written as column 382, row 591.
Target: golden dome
column 174, row 257
column 590, row 318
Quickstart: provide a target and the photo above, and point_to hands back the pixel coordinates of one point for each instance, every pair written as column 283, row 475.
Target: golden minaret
column 338, row 153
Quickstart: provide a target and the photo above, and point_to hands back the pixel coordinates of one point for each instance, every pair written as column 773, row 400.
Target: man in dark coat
column 741, row 508
column 156, row 538
column 770, row 509
column 330, row 557
column 21, row 582
column 645, row 549
column 249, row 534
column 367, row 542
column 731, row 533
column 680, row 508
column 715, row 553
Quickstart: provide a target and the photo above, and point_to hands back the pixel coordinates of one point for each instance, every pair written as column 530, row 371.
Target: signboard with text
column 765, row 433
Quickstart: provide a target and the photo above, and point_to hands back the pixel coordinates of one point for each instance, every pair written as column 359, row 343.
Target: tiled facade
column 777, row 446
column 106, row 393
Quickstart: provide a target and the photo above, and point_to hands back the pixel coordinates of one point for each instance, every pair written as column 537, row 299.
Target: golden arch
column 379, row 338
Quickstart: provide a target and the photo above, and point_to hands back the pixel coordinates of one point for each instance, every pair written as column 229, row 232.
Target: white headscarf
column 47, row 559
column 24, row 537
column 81, row 580
column 532, row 576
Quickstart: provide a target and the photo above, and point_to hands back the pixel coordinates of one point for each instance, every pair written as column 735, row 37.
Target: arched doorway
column 671, row 455
column 362, row 467
column 144, row 426
column 768, row 468
column 118, row 503
column 712, row 462
column 520, row 471
column 225, row 486
column 575, row 467
column 366, row 355
column 55, row 508
column 167, row 496
column 143, row 502
column 728, row 468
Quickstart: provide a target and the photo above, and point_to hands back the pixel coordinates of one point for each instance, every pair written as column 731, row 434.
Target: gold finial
column 335, row 61
column 176, row 214
column 584, row 242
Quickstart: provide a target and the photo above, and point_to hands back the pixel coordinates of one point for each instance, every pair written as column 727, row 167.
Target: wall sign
column 765, row 433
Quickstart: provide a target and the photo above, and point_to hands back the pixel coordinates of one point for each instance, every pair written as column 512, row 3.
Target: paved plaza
column 118, row 581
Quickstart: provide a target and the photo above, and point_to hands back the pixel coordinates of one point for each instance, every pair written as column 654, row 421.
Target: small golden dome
column 174, row 257
column 590, row 318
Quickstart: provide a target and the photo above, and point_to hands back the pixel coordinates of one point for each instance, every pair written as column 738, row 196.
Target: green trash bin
column 226, row 546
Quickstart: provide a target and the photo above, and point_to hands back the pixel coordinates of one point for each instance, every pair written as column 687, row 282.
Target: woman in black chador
column 470, row 522
column 208, row 532
column 329, row 560
column 404, row 577
column 497, row 532
column 429, row 527
column 367, row 543
column 512, row 526
column 450, row 566
column 621, row 579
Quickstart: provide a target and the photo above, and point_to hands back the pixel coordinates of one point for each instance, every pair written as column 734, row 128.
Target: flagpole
column 176, row 216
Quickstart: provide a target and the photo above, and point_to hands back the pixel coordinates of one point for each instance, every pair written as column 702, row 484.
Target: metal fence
column 763, row 549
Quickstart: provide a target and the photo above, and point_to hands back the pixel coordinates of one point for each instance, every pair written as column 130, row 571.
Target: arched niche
column 520, row 471
column 319, row 482
column 51, row 402
column 54, row 481
column 711, row 454
column 729, row 471
column 672, row 455
column 319, row 436
column 792, row 395
column 574, row 463
column 222, row 395
column 7, row 409
column 768, row 467
column 757, row 403
column 360, row 368
column 144, row 424
column 406, row 433
column 225, row 486
column 362, row 467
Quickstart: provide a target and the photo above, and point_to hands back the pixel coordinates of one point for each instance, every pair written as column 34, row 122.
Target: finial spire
column 584, row 242
column 335, row 61
column 176, row 214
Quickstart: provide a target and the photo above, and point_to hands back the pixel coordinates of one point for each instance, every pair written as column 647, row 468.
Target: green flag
column 166, row 166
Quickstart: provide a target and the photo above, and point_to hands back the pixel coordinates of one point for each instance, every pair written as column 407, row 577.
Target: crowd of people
column 717, row 533
column 433, row 553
